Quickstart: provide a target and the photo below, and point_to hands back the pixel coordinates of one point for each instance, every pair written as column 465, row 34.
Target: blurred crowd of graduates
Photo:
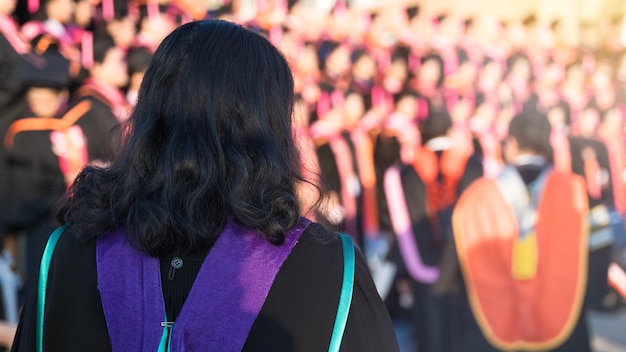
column 373, row 85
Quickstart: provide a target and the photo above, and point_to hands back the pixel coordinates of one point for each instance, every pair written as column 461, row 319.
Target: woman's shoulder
column 319, row 237
column 321, row 248
column 73, row 257
column 302, row 302
column 69, row 244
column 318, row 252
column 300, row 310
column 72, row 298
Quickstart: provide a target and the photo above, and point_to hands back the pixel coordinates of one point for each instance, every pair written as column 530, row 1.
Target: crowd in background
column 365, row 79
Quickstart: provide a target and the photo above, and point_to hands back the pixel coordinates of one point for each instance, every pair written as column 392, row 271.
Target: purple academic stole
column 228, row 293
column 401, row 223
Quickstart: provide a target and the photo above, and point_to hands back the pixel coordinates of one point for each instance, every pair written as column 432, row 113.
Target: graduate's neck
column 529, row 157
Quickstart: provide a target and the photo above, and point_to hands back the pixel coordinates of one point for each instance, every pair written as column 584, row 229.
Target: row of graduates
column 370, row 110
column 399, row 204
column 356, row 95
column 361, row 102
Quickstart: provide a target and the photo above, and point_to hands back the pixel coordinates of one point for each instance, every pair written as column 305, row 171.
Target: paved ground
column 609, row 331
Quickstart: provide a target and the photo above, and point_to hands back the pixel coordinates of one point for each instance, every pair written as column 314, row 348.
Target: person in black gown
column 208, row 149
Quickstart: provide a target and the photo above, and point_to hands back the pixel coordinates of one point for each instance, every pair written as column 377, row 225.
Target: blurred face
column 61, row 10
column 83, row 13
column 338, row 62
column 310, row 93
column 588, row 123
column 122, row 31
column 491, row 75
column 423, row 26
column 612, row 124
column 158, row 27
column 113, row 69
column 407, row 106
column 45, row 102
column 486, row 113
column 288, row 46
column 552, row 75
column 451, row 28
column 556, row 116
column 354, row 109
column 364, row 68
column 515, row 33
column 395, row 76
column 575, row 75
column 308, row 62
column 461, row 111
column 429, row 73
column 195, row 8
column 7, row 6
column 467, row 72
column 602, row 77
column 521, row 69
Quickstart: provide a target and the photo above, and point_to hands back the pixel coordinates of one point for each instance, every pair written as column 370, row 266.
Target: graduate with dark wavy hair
column 192, row 239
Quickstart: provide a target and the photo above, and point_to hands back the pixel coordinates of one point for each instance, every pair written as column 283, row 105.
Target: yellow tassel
column 525, row 257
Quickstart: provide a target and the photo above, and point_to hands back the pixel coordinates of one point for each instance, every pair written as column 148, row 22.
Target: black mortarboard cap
column 50, row 69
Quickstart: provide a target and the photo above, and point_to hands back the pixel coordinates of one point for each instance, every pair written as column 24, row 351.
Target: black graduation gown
column 443, row 321
column 599, row 259
column 12, row 100
column 101, row 129
column 298, row 314
column 331, row 179
column 12, row 103
column 34, row 182
column 386, row 153
column 577, row 144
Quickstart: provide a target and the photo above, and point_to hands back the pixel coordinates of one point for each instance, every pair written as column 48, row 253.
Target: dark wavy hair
column 210, row 138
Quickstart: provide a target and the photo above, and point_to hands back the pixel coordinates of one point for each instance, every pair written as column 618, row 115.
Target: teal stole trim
column 43, row 281
column 345, row 298
column 166, row 339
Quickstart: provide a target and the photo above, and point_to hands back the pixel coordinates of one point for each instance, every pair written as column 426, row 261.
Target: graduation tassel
column 33, row 6
column 340, row 11
column 364, row 22
column 283, row 7
column 592, row 172
column 152, row 6
column 276, row 35
column 108, row 10
column 260, row 5
column 87, row 49
column 133, row 10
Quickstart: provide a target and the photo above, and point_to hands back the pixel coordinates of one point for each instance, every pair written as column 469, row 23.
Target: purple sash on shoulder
column 228, row 294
